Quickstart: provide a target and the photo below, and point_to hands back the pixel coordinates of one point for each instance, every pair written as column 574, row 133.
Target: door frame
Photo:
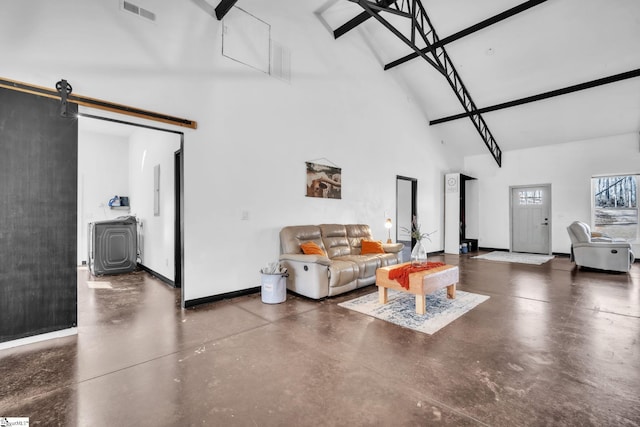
column 178, row 190
column 549, row 227
column 178, row 213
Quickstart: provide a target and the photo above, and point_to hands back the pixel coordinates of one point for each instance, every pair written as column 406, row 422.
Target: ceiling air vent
column 137, row 10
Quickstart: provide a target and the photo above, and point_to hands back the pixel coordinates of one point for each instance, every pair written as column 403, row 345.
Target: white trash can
column 274, row 288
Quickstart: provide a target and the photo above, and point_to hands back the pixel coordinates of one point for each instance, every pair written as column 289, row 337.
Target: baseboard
column 37, row 338
column 157, row 275
column 220, row 297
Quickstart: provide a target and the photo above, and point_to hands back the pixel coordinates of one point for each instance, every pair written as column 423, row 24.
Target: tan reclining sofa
column 343, row 268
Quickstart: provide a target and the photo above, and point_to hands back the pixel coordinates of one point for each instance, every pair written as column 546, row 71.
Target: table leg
column 421, row 304
column 382, row 295
column 451, row 291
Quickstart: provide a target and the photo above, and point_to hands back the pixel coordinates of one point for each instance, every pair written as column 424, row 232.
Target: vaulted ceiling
column 550, row 46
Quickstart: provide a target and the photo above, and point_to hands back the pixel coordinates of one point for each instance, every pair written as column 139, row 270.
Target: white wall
column 103, row 172
column 341, row 106
column 254, row 132
column 567, row 167
column 147, row 149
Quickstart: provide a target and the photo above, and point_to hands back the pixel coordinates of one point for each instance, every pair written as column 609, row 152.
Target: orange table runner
column 401, row 274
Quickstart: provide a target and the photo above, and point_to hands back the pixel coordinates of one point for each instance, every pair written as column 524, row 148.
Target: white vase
column 418, row 255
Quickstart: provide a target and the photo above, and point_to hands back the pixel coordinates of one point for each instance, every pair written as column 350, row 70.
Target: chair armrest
column 605, row 245
column 392, row 248
column 313, row 259
column 601, row 239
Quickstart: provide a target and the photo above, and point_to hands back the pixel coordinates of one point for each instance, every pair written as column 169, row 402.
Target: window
column 615, row 205
column 530, row 197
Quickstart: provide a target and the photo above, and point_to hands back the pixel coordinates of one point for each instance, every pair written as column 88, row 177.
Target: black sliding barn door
column 38, row 204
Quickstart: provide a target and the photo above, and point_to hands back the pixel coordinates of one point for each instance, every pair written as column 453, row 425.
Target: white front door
column 530, row 219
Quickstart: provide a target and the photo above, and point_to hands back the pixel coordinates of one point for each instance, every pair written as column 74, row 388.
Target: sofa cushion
column 355, row 234
column 342, row 273
column 334, row 238
column 293, row 236
column 371, row 247
column 367, row 264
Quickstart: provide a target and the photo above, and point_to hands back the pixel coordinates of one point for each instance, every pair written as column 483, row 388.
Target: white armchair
column 596, row 251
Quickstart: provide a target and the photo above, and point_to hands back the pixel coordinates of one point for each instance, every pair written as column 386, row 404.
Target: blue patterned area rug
column 401, row 308
column 518, row 257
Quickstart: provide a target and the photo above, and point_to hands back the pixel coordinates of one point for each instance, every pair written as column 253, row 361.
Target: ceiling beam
column 357, row 20
column 421, row 27
column 469, row 30
column 366, row 5
column 223, row 8
column 351, row 24
column 541, row 96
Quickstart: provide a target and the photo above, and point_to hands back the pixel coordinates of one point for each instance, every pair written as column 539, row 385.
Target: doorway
column 406, row 211
column 138, row 152
column 531, row 219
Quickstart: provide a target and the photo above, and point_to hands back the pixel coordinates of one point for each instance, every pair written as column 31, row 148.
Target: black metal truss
column 436, row 56
column 550, row 94
column 469, row 30
column 359, row 19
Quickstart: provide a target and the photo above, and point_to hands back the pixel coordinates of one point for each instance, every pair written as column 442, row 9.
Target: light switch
column 244, row 215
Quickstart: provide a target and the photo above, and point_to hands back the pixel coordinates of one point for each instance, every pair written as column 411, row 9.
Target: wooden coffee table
column 421, row 283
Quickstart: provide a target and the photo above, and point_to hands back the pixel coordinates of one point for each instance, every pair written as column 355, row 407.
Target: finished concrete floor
column 552, row 346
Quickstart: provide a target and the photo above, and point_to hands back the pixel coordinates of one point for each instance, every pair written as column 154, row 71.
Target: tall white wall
column 149, row 148
column 567, row 167
column 103, row 172
column 254, row 132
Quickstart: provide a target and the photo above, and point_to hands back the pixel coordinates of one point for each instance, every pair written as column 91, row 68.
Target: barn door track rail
column 63, row 93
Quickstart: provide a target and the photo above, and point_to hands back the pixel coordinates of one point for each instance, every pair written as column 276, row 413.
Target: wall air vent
column 280, row 66
column 137, row 10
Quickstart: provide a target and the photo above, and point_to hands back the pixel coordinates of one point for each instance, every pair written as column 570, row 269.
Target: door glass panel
column 530, row 197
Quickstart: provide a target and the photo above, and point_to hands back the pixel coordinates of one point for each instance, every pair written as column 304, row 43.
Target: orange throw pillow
column 312, row 248
column 371, row 247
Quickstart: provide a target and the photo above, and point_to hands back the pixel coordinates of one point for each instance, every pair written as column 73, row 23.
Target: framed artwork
column 324, row 181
